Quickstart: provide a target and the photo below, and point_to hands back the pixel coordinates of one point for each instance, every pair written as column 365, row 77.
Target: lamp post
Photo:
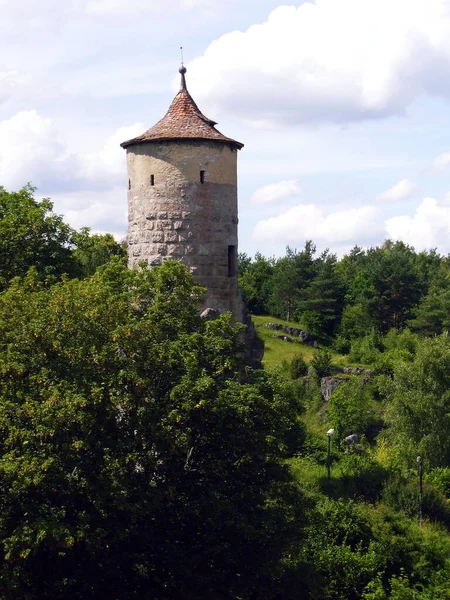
column 329, row 434
column 420, row 470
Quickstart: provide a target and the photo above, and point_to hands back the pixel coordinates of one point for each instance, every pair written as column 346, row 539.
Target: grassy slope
column 276, row 350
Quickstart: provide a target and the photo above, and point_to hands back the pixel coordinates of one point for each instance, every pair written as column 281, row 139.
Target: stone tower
column 182, row 199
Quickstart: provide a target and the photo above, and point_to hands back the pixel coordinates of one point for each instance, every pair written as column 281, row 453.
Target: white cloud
column 428, row 228
column 441, row 163
column 102, row 211
column 308, row 221
column 328, row 61
column 402, row 190
column 31, row 150
column 276, row 192
column 107, row 166
column 88, row 189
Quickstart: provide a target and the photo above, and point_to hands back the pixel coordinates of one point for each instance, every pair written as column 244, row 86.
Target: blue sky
column 343, row 107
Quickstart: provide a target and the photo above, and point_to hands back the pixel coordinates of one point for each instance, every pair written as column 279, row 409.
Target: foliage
column 298, row 367
column 348, row 408
column 132, row 453
column 321, row 307
column 418, row 404
column 367, row 349
column 93, row 251
column 361, row 476
column 32, row 235
column 440, row 479
column 321, row 363
column 255, row 281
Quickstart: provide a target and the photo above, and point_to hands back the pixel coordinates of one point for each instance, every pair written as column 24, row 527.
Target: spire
column 183, row 121
column 182, row 70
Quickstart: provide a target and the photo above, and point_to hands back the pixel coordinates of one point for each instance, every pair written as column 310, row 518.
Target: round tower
column 182, row 199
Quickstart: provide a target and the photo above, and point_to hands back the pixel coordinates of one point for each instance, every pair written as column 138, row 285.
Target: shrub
column 321, row 363
column 298, row 367
column 341, row 344
column 362, row 477
column 440, row 478
column 403, row 496
column 366, row 349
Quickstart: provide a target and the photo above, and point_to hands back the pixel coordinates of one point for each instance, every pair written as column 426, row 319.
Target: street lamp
column 420, row 469
column 330, row 432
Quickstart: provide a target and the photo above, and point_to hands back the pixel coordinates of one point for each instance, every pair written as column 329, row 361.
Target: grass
column 276, row 351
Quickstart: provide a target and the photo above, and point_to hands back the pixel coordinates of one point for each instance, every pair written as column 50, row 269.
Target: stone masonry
column 182, row 200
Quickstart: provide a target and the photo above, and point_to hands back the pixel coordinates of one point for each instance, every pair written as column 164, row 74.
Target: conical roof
column 183, row 121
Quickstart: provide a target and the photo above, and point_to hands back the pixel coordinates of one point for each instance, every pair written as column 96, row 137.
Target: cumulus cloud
column 102, row 211
column 107, row 166
column 328, row 61
column 441, row 163
column 31, row 150
column 276, row 192
column 89, row 189
column 308, row 221
column 428, row 228
column 402, row 190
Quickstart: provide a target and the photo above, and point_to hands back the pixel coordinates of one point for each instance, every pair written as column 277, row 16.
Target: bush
column 362, row 477
column 366, row 349
column 298, row 367
column 321, row 363
column 404, row 497
column 341, row 344
column 440, row 478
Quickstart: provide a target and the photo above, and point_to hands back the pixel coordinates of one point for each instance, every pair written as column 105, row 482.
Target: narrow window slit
column 152, row 180
column 202, row 176
column 129, row 184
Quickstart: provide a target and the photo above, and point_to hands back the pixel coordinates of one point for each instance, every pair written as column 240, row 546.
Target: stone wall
column 173, row 215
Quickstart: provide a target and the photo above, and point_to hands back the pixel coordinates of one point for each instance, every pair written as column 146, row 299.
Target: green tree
column 418, row 405
column 321, row 362
column 93, row 250
column 255, row 281
column 291, row 276
column 132, row 454
column 348, row 408
column 32, row 235
column 395, row 287
column 320, row 310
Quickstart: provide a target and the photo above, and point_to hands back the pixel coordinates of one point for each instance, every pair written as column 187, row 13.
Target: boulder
column 328, row 385
column 210, row 314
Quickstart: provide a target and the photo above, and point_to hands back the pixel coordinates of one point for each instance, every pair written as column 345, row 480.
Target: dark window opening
column 202, row 176
column 232, row 262
column 152, row 180
column 129, row 184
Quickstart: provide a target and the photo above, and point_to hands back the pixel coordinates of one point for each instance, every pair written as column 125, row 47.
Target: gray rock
column 358, row 371
column 328, row 385
column 210, row 314
column 304, row 336
column 352, row 439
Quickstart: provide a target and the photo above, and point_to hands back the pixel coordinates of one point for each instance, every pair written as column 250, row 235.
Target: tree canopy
column 133, row 453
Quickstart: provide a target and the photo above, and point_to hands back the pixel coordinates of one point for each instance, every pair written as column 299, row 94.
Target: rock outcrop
column 328, row 385
column 303, row 336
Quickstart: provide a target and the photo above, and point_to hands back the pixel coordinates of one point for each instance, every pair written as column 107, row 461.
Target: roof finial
column 182, row 70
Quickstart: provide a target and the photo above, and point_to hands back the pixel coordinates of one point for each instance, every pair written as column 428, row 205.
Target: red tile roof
column 183, row 121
